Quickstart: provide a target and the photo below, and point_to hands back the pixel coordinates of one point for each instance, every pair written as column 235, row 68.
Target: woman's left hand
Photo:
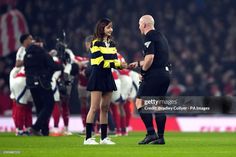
column 124, row 65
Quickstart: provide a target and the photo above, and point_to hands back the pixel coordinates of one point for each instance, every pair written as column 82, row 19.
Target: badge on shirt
column 147, row 43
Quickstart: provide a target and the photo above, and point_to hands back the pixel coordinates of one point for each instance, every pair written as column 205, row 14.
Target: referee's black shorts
column 155, row 83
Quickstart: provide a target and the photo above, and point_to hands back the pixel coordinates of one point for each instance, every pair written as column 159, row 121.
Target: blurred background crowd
column 201, row 35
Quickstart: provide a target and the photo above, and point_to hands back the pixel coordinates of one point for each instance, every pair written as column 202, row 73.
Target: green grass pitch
column 177, row 145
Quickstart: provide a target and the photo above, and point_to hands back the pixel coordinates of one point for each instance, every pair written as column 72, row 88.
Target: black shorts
column 155, row 83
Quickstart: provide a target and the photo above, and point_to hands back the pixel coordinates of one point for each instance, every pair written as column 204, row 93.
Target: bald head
column 146, row 23
column 147, row 19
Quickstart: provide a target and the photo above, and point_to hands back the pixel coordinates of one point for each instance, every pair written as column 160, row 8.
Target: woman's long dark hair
column 99, row 29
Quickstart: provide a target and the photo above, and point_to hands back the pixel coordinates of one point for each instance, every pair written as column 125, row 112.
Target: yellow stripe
column 94, row 49
column 107, row 63
column 117, row 63
column 104, row 50
column 97, row 61
column 93, row 42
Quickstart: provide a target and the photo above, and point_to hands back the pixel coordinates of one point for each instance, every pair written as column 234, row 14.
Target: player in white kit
column 20, row 95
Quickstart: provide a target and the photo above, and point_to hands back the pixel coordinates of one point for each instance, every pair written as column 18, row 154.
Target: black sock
column 89, row 127
column 103, row 131
column 161, row 122
column 147, row 120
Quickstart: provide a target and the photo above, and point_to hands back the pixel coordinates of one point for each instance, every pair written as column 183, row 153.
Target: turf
column 177, row 145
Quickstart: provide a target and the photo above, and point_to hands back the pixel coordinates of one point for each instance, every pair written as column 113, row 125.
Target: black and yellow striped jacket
column 103, row 56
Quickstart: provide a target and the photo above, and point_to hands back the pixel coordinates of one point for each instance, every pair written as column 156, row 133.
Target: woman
column 101, row 82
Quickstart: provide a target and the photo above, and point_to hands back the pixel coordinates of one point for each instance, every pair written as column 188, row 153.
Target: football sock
column 103, row 131
column 127, row 112
column 56, row 114
column 89, row 130
column 147, row 120
column 161, row 122
column 65, row 113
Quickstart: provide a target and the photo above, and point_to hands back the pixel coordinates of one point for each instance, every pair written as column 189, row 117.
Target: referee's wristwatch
column 143, row 72
column 139, row 64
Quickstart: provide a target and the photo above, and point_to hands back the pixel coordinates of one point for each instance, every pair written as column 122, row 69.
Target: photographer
column 64, row 85
column 39, row 68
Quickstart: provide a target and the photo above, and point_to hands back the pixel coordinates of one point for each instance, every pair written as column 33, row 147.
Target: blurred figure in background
column 61, row 86
column 20, row 95
column 83, row 81
column 39, row 68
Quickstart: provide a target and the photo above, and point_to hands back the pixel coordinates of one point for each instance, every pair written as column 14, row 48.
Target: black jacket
column 39, row 67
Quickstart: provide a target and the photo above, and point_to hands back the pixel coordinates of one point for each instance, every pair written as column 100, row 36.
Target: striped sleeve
column 112, row 64
column 96, row 54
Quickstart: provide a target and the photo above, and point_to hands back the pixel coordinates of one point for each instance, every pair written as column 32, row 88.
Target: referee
column 155, row 77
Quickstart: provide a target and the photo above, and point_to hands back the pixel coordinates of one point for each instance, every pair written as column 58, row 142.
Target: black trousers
column 44, row 103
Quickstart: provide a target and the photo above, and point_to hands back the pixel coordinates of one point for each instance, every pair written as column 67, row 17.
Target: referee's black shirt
column 156, row 79
column 156, row 43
